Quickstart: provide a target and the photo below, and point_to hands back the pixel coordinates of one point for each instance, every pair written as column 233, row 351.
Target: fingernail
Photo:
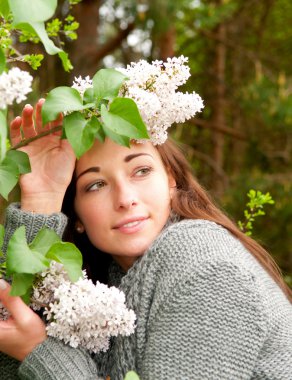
column 27, row 105
column 3, row 284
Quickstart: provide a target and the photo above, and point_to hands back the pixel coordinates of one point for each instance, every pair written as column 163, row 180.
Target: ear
column 79, row 227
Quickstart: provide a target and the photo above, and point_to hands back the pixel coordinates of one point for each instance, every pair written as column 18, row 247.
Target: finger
column 39, row 122
column 27, row 122
column 15, row 134
column 17, row 308
column 57, row 123
column 38, row 117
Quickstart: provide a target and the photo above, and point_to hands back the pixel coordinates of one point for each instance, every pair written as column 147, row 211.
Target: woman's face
column 122, row 198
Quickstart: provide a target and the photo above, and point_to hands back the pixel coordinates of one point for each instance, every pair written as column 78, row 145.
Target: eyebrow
column 131, row 156
column 96, row 169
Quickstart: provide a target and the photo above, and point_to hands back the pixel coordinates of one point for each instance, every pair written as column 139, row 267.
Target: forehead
column 109, row 152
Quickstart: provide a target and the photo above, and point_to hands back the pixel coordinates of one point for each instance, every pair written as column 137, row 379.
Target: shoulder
column 194, row 262
column 196, row 241
column 193, row 251
column 195, row 247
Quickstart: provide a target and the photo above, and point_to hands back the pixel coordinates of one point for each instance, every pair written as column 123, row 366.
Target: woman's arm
column 33, row 222
column 23, row 337
column 42, row 191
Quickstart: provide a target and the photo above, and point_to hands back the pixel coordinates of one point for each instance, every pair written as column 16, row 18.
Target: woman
column 209, row 301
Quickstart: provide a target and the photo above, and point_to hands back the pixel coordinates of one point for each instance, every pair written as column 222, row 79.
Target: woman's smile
column 131, row 225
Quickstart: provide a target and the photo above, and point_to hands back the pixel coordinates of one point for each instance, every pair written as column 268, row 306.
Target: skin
column 122, row 199
column 135, row 190
column 51, row 158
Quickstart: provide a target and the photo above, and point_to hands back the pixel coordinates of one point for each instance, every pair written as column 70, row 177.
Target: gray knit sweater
column 205, row 310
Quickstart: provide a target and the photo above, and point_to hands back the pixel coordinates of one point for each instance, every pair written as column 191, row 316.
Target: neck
column 124, row 262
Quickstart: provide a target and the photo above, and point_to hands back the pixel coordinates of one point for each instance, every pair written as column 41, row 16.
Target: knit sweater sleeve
column 210, row 324
column 15, row 217
column 54, row 360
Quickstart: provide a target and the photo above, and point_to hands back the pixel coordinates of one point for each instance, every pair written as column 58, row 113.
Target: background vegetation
column 240, row 58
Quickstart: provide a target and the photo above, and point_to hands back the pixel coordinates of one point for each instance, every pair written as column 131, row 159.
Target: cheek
column 159, row 194
column 91, row 213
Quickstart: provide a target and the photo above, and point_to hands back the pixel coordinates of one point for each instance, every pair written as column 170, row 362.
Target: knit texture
column 205, row 310
column 33, row 223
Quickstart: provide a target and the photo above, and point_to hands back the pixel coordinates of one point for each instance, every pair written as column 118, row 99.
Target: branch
column 209, row 161
column 218, row 128
column 113, row 43
column 38, row 136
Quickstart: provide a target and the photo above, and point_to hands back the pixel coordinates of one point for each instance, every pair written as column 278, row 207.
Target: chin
column 133, row 251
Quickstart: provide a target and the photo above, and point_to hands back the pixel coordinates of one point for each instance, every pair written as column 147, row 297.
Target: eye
column 143, row 172
column 96, row 186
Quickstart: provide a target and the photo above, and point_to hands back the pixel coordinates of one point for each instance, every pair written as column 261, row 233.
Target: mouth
column 131, row 225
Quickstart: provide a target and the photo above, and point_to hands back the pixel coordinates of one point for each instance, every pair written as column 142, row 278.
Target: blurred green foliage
column 240, row 57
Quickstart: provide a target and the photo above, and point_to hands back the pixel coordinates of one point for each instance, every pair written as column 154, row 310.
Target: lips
column 131, row 225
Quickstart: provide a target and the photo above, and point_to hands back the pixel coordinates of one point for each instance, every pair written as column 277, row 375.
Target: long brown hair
column 192, row 201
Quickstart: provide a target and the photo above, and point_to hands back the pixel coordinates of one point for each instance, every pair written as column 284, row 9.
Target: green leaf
column 39, row 28
column 131, row 375
column 4, row 8
column 20, row 159
column 14, row 163
column 95, row 125
column 26, row 297
column 43, row 241
column 67, row 65
column 80, row 132
column 88, row 96
column 68, row 255
column 2, row 61
column 3, row 134
column 34, row 60
column 2, row 231
column 22, row 285
column 9, row 175
column 119, row 139
column 99, row 134
column 32, row 10
column 20, row 258
column 50, row 47
column 123, row 118
column 107, row 83
column 61, row 99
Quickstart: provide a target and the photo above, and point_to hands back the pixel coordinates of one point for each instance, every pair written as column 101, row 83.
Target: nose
column 125, row 196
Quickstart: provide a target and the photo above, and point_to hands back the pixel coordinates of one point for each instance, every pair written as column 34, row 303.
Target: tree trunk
column 166, row 44
column 84, row 49
column 219, row 106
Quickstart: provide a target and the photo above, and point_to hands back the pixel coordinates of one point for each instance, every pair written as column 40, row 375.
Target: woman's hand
column 23, row 331
column 52, row 161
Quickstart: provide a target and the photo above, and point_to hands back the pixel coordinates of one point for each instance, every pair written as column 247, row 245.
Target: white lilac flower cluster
column 81, row 84
column 153, row 88
column 14, row 86
column 4, row 313
column 82, row 314
column 47, row 282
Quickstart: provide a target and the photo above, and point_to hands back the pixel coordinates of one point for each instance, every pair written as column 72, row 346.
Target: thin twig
column 38, row 136
column 41, row 304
